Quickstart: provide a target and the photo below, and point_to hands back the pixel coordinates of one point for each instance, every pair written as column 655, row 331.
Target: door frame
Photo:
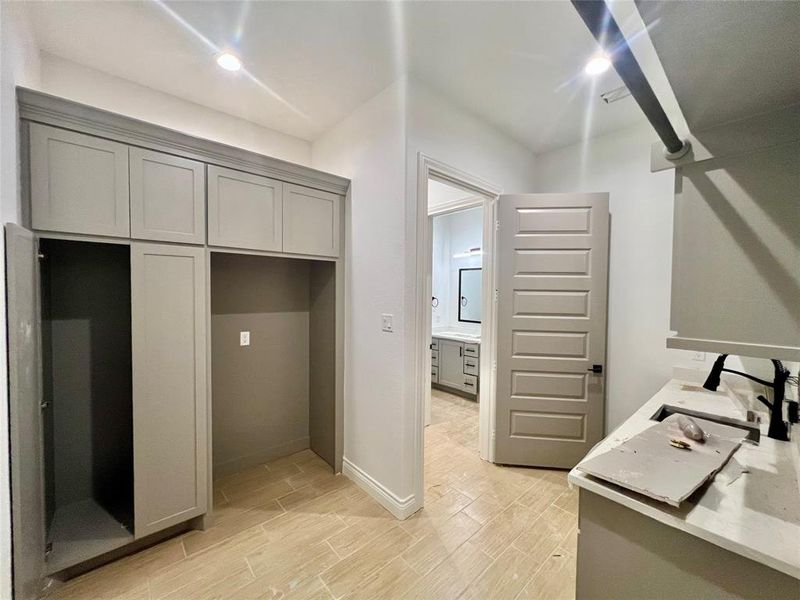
column 487, row 194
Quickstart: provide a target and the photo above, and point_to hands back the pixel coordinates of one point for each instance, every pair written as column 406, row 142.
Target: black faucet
column 778, row 429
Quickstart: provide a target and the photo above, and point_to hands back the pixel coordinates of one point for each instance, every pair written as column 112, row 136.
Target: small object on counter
column 691, row 429
column 680, row 444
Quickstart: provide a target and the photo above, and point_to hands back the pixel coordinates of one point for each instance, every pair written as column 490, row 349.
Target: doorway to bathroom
column 456, row 317
column 456, row 226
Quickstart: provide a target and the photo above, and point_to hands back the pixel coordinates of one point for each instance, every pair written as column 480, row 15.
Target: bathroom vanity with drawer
column 455, row 363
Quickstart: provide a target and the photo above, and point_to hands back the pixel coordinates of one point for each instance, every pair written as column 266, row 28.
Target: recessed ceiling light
column 598, row 64
column 229, row 62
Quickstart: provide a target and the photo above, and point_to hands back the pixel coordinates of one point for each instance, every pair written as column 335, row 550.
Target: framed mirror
column 469, row 295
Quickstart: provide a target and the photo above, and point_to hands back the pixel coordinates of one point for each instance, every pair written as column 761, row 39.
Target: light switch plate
column 244, row 338
column 387, row 323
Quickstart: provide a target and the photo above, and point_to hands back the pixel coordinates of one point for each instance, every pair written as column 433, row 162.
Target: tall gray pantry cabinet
column 109, row 324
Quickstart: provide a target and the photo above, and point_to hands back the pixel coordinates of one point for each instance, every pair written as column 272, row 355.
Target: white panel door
column 552, row 279
column 168, row 297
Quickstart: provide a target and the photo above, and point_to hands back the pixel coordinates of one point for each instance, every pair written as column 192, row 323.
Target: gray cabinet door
column 27, row 485
column 551, row 327
column 244, row 210
column 310, row 221
column 167, row 197
column 451, row 364
column 79, row 183
column 169, row 385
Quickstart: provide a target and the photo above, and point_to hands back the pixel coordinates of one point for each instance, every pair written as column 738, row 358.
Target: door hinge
column 48, row 549
column 497, row 295
column 497, row 225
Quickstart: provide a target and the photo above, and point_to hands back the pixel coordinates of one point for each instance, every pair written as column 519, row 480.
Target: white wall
column 71, row 80
column 450, row 134
column 453, row 234
column 377, row 148
column 19, row 65
column 641, row 204
column 368, row 147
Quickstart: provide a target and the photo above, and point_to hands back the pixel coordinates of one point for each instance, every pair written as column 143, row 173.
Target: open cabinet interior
column 274, row 394
column 87, row 417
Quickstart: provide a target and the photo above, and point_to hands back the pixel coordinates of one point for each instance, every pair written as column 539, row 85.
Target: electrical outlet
column 387, row 323
column 244, row 338
column 699, row 356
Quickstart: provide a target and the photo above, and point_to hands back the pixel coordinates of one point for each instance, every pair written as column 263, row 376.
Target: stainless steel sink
column 750, row 426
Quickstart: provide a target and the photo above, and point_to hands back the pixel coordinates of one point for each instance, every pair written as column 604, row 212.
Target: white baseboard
column 402, row 508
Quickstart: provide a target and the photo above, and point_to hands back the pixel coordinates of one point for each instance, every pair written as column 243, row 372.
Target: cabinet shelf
column 83, row 530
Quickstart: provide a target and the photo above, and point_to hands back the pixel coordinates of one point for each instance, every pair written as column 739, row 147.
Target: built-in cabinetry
column 244, row 210
column 455, row 365
column 735, row 257
column 110, row 324
column 78, row 183
column 169, row 384
column 168, row 197
column 89, row 185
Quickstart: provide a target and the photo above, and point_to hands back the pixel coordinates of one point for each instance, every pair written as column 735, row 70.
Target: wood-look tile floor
column 290, row 529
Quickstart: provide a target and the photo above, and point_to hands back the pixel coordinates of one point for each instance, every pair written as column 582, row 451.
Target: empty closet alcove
column 277, row 395
column 87, row 416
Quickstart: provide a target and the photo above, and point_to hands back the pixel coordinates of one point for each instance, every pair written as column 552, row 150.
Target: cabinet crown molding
column 52, row 110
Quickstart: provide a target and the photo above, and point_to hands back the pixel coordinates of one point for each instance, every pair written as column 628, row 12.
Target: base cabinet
column 661, row 562
column 169, row 384
column 455, row 365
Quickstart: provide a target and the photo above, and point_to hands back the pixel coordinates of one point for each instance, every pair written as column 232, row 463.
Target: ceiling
column 517, row 65
column 727, row 60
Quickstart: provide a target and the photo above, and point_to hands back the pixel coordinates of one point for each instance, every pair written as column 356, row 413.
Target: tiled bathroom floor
column 290, row 529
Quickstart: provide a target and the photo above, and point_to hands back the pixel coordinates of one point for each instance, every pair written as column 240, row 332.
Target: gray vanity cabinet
column 79, row 183
column 455, row 365
column 168, row 195
column 168, row 317
column 244, row 210
column 310, row 221
column 451, row 364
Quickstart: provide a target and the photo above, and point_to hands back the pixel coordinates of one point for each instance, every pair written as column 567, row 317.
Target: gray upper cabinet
column 736, row 255
column 244, row 210
column 79, row 183
column 168, row 313
column 167, row 197
column 310, row 221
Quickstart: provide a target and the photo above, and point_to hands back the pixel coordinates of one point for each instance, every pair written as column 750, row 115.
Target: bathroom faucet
column 778, row 429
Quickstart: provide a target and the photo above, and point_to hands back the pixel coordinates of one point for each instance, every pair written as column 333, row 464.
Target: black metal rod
column 604, row 28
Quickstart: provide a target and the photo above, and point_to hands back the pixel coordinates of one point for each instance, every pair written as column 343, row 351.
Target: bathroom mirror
column 469, row 295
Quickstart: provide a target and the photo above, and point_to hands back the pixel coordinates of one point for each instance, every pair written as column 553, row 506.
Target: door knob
column 598, row 369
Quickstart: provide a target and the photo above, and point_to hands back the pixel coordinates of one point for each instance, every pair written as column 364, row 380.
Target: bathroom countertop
column 457, row 336
column 755, row 513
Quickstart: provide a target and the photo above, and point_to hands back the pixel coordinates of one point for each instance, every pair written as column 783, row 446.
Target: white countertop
column 457, row 336
column 755, row 514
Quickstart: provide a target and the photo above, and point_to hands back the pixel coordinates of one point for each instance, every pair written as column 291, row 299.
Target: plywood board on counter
column 648, row 464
